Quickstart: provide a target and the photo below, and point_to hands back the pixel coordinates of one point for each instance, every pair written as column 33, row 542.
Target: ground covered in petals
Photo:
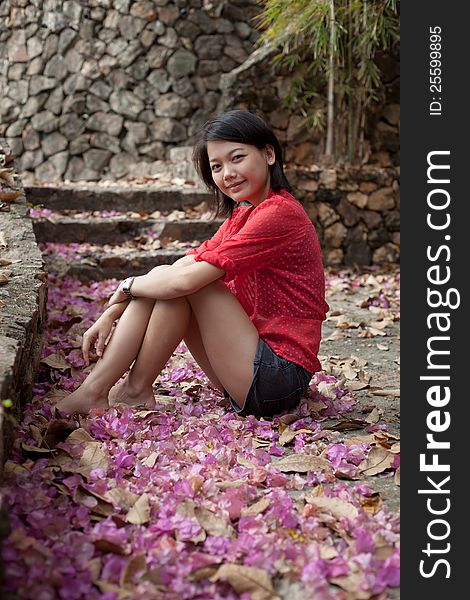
column 190, row 501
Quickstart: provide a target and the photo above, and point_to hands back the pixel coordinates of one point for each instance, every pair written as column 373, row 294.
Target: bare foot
column 81, row 401
column 122, row 393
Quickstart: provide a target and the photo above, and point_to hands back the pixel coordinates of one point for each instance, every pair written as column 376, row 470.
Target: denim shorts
column 278, row 384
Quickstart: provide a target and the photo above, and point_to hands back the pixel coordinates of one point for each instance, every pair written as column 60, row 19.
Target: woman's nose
column 229, row 172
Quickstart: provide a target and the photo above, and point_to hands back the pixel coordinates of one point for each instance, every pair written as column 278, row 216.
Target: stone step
column 115, row 229
column 121, row 198
column 99, row 263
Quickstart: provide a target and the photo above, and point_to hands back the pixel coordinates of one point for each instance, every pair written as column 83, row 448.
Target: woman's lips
column 233, row 187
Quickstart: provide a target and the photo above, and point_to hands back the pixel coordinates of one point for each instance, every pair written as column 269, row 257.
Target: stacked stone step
column 107, row 250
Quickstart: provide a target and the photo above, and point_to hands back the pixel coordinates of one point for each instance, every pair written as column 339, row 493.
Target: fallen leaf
column 334, row 506
column 397, row 477
column 56, row 361
column 212, row 523
column 140, row 512
column 378, row 460
column 374, row 416
column 5, row 277
column 94, row 456
column 136, row 565
column 250, row 580
column 395, row 393
column 302, row 463
column 256, row 508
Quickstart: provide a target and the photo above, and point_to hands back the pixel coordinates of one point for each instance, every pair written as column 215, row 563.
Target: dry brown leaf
column 378, row 460
column 5, row 276
column 289, row 434
column 251, row 580
column 334, row 506
column 374, row 416
column 94, row 456
column 302, row 463
column 139, row 514
column 395, row 393
column 122, row 498
column 187, row 509
column 256, row 508
column 382, row 347
column 136, row 565
column 397, row 477
column 3, row 241
column 150, row 460
column 355, row 386
column 56, row 361
column 212, row 523
column 372, row 504
column 9, row 196
column 79, row 436
column 244, row 462
column 352, row 583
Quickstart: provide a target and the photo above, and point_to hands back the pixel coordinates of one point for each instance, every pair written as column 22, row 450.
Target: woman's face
column 241, row 171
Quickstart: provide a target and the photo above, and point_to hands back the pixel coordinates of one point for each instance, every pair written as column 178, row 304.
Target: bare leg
column 132, row 332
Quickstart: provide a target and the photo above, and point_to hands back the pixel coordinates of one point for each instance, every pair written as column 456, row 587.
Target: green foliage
column 336, row 42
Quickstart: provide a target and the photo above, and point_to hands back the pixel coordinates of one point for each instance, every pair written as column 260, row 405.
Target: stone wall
column 88, row 89
column 22, row 300
column 356, row 212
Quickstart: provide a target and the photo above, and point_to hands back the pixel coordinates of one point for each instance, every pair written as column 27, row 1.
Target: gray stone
column 34, row 46
column 212, row 82
column 144, row 9
column 183, row 87
column 18, row 91
column 112, row 19
column 98, row 14
column 107, row 35
column 181, row 63
column 71, row 125
column 31, row 139
column 54, row 21
column 76, row 83
column 94, row 104
column 243, row 30
column 349, row 213
column 44, row 121
column 117, row 47
column 50, row 46
column 119, row 80
column 170, row 39
column 39, row 83
column 79, row 144
column 357, row 253
column 56, row 67
column 171, row 105
column 382, row 199
column 17, row 50
column 209, row 46
column 91, row 69
column 168, row 14
column 46, row 172
column 66, row 39
column 36, row 66
column 334, row 235
column 106, row 64
column 138, row 132
column 139, row 69
column 224, row 26
column 33, row 105
column 371, row 218
column 105, row 141
column 106, row 122
column 30, row 159
column 158, row 56
column 328, row 178
column 121, row 164
column 74, row 60
column 168, row 130
column 133, row 50
column 101, row 89
column 16, row 71
column 187, row 29
column 96, row 159
column 122, row 5
column 126, row 103
column 358, row 199
column 77, row 171
column 75, row 103
column 55, row 101
column 73, row 11
column 53, row 143
column 388, row 253
column 131, row 27
column 147, row 38
column 154, row 150
column 86, row 31
column 159, row 79
column 16, row 145
column 326, row 214
column 202, row 20
column 227, row 64
column 9, row 110
column 207, row 67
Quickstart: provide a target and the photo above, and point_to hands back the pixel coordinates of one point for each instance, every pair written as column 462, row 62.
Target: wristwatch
column 126, row 287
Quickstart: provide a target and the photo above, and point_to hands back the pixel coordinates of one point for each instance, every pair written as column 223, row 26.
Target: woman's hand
column 118, row 296
column 97, row 335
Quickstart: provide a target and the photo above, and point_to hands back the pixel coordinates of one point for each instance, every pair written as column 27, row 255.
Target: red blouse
column 273, row 265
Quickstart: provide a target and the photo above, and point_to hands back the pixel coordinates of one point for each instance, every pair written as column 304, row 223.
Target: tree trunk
column 331, row 84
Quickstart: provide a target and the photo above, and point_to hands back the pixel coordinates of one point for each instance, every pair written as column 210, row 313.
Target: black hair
column 244, row 127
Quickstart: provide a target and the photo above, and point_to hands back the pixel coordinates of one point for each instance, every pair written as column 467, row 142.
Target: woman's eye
column 237, row 156
column 215, row 168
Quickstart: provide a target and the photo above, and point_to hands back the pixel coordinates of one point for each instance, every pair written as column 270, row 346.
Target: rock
column 31, row 139
column 168, row 14
column 126, row 103
column 328, row 178
column 30, row 159
column 391, row 114
column 371, row 218
column 39, row 83
column 56, row 68
column 389, row 253
column 79, row 144
column 34, row 46
column 106, row 122
column 96, row 159
column 144, row 9
column 168, row 130
column 171, row 105
column 357, row 253
column 181, row 63
column 158, row 56
column 104, row 141
column 74, row 60
column 71, row 125
column 94, row 104
column 101, row 89
column 66, row 39
column 138, row 132
column 46, row 172
column 326, row 214
column 16, row 128
column 44, row 121
column 159, row 79
column 333, row 257
column 382, row 199
column 334, row 235
column 53, row 143
column 155, row 150
column 77, row 171
column 131, row 27
column 358, row 233
column 55, row 101
column 170, row 39
column 349, row 213
column 121, row 164
column 357, row 199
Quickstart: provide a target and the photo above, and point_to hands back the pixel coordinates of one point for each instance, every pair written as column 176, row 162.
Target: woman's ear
column 270, row 154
